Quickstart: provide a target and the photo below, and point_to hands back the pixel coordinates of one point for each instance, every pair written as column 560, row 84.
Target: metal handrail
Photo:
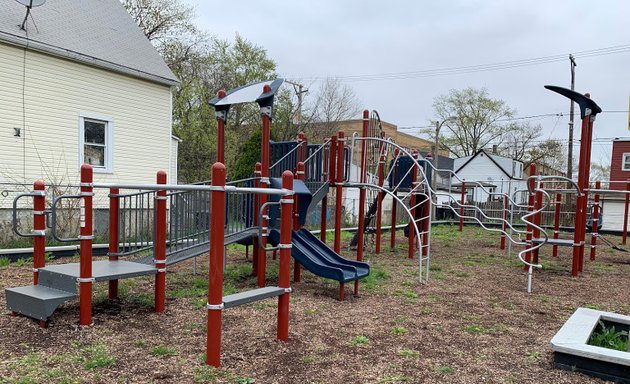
column 298, row 145
column 14, row 220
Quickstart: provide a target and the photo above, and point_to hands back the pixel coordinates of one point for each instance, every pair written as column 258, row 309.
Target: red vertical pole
column 338, row 192
column 412, row 202
column 504, row 223
column 530, row 207
column 461, row 208
column 625, row 214
column 364, row 148
column 392, row 236
column 85, row 241
column 595, row 221
column 221, row 117
column 215, row 272
column 580, row 214
column 285, row 257
column 265, row 114
column 160, row 245
column 299, row 175
column 586, row 178
column 113, row 237
column 379, row 202
column 256, row 209
column 537, row 219
column 556, row 223
column 39, row 228
column 332, row 168
column 324, row 205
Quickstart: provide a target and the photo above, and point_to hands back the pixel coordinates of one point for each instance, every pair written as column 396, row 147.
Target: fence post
column 160, row 245
column 412, row 203
column 461, row 208
column 556, row 223
column 595, row 221
column 285, row 255
column 299, row 175
column 112, row 252
column 625, row 214
column 215, row 271
column 39, row 228
column 85, row 241
column 338, row 190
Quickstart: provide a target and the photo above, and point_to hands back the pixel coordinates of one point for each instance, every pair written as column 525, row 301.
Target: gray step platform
column 551, row 241
column 36, row 301
column 104, row 270
column 241, row 298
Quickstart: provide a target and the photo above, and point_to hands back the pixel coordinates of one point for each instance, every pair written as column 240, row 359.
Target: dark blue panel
column 303, row 195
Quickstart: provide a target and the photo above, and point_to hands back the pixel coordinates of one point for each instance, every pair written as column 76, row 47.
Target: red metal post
column 299, row 175
column 39, row 228
column 256, row 246
column 85, row 243
column 412, row 203
column 286, row 217
column 264, row 183
column 215, row 272
column 531, row 201
column 379, row 202
column 160, row 245
column 504, row 223
column 338, row 190
column 625, row 214
column 461, row 208
column 595, row 221
column 556, row 223
column 221, row 118
column 362, row 196
column 113, row 237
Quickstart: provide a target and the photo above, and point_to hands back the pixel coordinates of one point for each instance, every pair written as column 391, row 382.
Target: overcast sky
column 310, row 40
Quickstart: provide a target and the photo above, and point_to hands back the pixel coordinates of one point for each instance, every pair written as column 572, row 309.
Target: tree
column 334, row 102
column 162, row 20
column 478, row 120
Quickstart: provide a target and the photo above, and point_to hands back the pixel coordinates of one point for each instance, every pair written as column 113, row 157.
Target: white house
column 81, row 83
column 496, row 173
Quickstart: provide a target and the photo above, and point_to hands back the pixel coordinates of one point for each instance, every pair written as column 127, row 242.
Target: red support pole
column 299, row 175
column 221, row 117
column 215, row 272
column 556, row 223
column 338, row 190
column 160, row 245
column 286, row 217
column 39, row 228
column 625, row 214
column 364, row 148
column 595, row 221
column 412, row 203
column 504, row 224
column 113, row 237
column 531, row 201
column 324, row 204
column 85, row 241
column 264, row 183
column 537, row 220
column 379, row 202
column 461, row 208
column 255, row 250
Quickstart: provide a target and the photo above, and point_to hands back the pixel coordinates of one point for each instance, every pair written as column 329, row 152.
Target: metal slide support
column 286, row 217
column 215, row 272
column 85, row 241
column 112, row 252
column 160, row 245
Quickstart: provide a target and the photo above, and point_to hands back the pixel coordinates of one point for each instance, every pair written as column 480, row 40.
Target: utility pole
column 299, row 92
column 571, row 110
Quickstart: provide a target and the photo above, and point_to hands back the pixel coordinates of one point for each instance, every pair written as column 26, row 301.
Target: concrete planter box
column 572, row 352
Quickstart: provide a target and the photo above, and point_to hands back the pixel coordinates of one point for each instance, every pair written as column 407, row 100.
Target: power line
column 617, row 49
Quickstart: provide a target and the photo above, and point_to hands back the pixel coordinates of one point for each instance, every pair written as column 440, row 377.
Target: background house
column 613, row 206
column 81, row 83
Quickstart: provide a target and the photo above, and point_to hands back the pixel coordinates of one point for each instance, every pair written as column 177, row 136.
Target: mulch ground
column 472, row 322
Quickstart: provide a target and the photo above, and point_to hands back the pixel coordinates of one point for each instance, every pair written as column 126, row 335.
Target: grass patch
column 97, row 356
column 395, row 379
column 163, row 350
column 375, row 279
column 360, row 340
column 398, row 330
column 407, row 294
column 445, row 370
column 4, row 261
column 476, row 329
column 409, row 353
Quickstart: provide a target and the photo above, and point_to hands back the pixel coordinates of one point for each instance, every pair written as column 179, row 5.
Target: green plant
column 140, row 343
column 245, row 380
column 163, row 350
column 360, row 340
column 476, row 329
column 398, row 330
column 97, row 356
column 4, row 261
column 409, row 353
column 609, row 337
column 447, row 370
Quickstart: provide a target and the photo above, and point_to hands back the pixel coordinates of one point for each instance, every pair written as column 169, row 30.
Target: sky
column 383, row 50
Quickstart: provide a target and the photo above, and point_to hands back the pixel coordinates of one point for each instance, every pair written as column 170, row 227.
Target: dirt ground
column 473, row 322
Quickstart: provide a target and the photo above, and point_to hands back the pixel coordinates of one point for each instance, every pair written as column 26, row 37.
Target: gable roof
column 492, row 158
column 94, row 32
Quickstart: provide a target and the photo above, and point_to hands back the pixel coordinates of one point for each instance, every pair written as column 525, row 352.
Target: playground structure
column 268, row 211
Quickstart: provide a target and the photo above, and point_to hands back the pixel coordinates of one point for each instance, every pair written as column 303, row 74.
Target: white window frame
column 623, row 161
column 109, row 140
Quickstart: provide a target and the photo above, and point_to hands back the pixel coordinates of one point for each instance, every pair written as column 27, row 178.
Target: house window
column 625, row 162
column 95, row 134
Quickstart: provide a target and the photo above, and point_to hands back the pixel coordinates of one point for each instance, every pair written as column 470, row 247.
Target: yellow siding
column 45, row 97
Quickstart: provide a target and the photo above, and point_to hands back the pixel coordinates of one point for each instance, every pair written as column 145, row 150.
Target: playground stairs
column 58, row 283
